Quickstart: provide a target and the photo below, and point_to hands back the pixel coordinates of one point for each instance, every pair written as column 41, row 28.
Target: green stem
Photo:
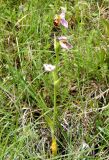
column 56, row 48
column 55, row 96
column 57, row 59
column 55, row 78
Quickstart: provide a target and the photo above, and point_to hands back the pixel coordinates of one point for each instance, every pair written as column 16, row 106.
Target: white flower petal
column 62, row 15
column 64, row 43
column 62, row 38
column 49, row 67
column 64, row 23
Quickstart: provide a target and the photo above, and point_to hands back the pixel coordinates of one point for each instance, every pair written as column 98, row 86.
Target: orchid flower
column 49, row 67
column 64, row 43
column 60, row 19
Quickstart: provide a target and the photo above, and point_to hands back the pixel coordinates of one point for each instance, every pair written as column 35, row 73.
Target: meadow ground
column 27, row 91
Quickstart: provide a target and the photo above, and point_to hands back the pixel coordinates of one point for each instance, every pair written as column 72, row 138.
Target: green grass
column 26, row 91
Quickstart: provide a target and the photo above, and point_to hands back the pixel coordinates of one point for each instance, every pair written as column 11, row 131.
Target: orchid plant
column 63, row 42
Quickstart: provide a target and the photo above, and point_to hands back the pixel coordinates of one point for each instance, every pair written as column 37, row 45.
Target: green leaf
column 57, row 82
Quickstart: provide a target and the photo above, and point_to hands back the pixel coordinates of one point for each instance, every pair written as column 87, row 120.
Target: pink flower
column 64, row 43
column 49, row 67
column 60, row 19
